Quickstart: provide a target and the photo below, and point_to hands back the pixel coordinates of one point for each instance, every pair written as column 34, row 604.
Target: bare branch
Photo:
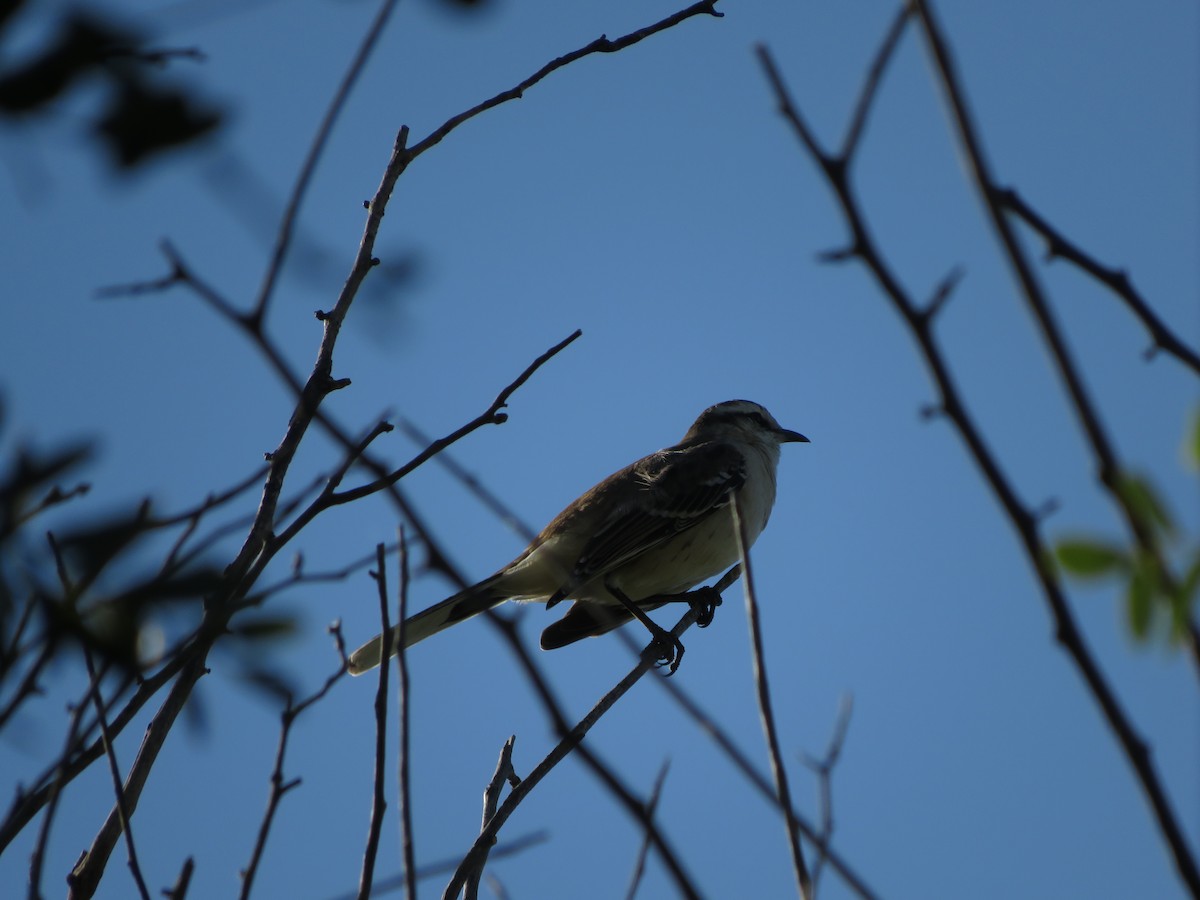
column 1116, row 280
column 726, row 744
column 54, row 497
column 402, row 778
column 60, row 780
column 378, row 801
column 601, row 45
column 823, row 768
column 639, row 865
column 178, row 891
column 279, row 787
column 308, row 167
column 471, row 482
column 446, row 866
column 803, row 879
column 491, row 800
column 491, row 416
column 572, row 739
column 870, row 88
column 110, row 751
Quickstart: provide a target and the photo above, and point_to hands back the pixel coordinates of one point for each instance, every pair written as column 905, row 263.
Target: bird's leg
column 704, row 601
column 669, row 647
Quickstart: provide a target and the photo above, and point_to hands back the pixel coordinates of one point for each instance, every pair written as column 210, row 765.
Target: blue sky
column 654, row 199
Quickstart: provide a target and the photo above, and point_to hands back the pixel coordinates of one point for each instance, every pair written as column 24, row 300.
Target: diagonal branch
column 870, row 88
column 601, row 45
column 110, row 751
column 284, row 237
column 1116, row 280
column 572, row 740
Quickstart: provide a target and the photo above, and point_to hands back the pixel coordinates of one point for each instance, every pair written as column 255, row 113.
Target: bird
column 642, row 537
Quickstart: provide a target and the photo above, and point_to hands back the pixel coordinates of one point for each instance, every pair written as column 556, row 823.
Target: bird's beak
column 790, row 437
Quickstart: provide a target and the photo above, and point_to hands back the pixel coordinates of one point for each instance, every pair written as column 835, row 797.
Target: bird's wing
column 678, row 489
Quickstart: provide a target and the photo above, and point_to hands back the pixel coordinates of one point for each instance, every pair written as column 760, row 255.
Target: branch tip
column 839, row 255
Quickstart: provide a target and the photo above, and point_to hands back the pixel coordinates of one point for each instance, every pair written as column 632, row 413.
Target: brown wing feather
column 680, row 488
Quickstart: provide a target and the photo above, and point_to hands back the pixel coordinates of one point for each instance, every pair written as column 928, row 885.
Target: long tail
column 450, row 611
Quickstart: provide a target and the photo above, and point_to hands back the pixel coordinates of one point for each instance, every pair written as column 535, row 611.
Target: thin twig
column 471, row 482
column 760, row 782
column 408, row 854
column 491, row 416
column 38, row 858
column 443, row 867
column 178, row 891
column 110, row 751
column 572, row 739
column 29, row 681
column 505, row 773
column 1059, row 245
column 308, row 167
column 279, row 787
column 823, row 768
column 639, row 864
column 378, row 800
column 600, row 45
column 870, row 88
column 770, row 732
column 54, row 497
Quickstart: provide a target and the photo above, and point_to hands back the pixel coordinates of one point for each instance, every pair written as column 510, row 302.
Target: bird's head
column 741, row 420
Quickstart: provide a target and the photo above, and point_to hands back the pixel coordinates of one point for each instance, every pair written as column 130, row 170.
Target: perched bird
column 645, row 534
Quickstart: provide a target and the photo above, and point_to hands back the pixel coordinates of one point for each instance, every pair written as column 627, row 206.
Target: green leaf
column 1140, row 599
column 1142, row 497
column 1191, row 580
column 1088, row 558
column 1193, row 444
column 1185, row 598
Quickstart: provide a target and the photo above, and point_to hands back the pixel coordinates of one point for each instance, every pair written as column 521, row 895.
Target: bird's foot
column 704, row 602
column 665, row 649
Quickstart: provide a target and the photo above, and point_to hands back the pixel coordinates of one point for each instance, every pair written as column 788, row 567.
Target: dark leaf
column 143, row 121
column 266, row 628
column 1088, row 558
column 81, row 46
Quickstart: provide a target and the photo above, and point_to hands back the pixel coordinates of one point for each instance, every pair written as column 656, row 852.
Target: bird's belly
column 685, row 560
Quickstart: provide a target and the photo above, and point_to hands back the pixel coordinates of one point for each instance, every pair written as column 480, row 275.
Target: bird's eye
column 760, row 420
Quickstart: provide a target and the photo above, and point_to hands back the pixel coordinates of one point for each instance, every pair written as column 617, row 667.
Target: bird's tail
column 450, row 611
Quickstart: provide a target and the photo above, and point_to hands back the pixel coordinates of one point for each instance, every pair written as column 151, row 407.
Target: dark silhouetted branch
column 639, row 864
column 1058, row 246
